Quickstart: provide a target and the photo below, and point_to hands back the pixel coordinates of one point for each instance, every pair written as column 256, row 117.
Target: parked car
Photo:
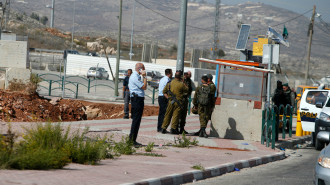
column 155, row 82
column 322, row 167
column 310, row 109
column 153, row 74
column 67, row 51
column 122, row 74
column 92, row 54
column 97, row 72
column 322, row 124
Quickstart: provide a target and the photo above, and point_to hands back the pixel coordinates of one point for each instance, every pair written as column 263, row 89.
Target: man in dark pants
column 187, row 81
column 162, row 100
column 137, row 85
column 126, row 94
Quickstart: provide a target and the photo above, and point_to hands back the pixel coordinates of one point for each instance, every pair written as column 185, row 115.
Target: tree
column 44, row 20
column 35, row 16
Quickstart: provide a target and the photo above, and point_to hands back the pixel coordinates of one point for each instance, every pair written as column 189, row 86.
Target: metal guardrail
column 271, row 119
column 88, row 84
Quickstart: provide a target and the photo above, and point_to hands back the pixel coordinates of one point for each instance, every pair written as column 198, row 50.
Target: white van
column 312, row 102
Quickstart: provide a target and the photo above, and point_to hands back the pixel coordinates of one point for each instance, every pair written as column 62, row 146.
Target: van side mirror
column 319, row 104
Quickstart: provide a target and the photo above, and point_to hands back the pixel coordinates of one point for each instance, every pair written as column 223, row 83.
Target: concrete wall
column 17, row 73
column 236, row 119
column 13, row 54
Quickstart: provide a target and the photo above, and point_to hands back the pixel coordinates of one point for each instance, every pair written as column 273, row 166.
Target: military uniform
column 175, row 102
column 183, row 117
column 204, row 111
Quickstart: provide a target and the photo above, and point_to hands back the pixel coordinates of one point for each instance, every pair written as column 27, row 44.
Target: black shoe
column 203, row 133
column 136, row 144
column 174, row 131
column 159, row 130
column 126, row 117
column 197, row 133
column 183, row 131
column 164, row 131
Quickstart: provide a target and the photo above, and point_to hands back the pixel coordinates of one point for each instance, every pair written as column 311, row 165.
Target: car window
column 92, row 68
column 149, row 73
column 314, row 97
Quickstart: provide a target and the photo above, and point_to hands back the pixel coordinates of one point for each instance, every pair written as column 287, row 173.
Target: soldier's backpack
column 203, row 95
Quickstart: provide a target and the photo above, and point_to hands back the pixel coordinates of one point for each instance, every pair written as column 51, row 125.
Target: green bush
column 125, row 146
column 184, row 141
column 149, row 147
column 39, row 159
column 47, row 146
column 87, row 151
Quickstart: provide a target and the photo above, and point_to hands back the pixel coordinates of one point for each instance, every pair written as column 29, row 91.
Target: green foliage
column 84, row 150
column 19, row 17
column 173, row 49
column 125, row 146
column 47, row 146
column 35, row 79
column 35, row 16
column 151, row 154
column 184, row 141
column 198, row 167
column 44, row 20
column 149, row 147
column 6, row 146
column 39, row 158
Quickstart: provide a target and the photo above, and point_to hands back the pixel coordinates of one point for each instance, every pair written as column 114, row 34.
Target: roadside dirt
column 20, row 107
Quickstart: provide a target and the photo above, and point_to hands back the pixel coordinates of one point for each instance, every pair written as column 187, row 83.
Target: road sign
column 258, row 45
column 243, row 36
column 275, row 54
column 277, row 37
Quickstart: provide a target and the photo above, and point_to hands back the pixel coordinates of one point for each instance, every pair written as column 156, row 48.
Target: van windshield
column 328, row 103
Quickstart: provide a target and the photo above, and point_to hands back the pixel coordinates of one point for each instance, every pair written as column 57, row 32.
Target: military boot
column 203, row 133
column 182, row 130
column 174, row 131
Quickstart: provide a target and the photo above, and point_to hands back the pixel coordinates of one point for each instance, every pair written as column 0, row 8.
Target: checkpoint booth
column 241, row 96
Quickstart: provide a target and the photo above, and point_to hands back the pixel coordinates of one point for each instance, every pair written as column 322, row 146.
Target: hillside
column 157, row 21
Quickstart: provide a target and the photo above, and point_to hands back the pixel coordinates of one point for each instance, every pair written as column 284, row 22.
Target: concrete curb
column 290, row 144
column 195, row 175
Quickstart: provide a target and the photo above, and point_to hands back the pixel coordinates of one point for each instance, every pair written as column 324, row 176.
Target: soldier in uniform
column 203, row 100
column 187, row 81
column 213, row 90
column 174, row 91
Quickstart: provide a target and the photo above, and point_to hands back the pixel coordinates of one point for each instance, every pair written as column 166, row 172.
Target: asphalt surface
column 297, row 169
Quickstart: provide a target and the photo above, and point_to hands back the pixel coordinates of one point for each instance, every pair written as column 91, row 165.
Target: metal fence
column 272, row 119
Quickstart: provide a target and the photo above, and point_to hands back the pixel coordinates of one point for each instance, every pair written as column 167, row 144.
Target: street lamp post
column 73, row 16
column 182, row 36
column 131, row 49
column 118, row 49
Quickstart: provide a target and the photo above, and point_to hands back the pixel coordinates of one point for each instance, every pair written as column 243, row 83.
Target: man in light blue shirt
column 162, row 100
column 137, row 85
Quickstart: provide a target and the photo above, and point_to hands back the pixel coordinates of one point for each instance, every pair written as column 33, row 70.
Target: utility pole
column 7, row 10
column 215, row 48
column 131, row 49
column 118, row 49
column 74, row 14
column 52, row 14
column 311, row 26
column 182, row 36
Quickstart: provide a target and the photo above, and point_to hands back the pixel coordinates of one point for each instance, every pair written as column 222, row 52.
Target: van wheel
column 318, row 144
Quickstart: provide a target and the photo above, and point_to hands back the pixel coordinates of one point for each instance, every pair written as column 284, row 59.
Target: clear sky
column 298, row 6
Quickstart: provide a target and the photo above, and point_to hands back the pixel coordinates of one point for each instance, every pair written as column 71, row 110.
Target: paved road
column 297, row 169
